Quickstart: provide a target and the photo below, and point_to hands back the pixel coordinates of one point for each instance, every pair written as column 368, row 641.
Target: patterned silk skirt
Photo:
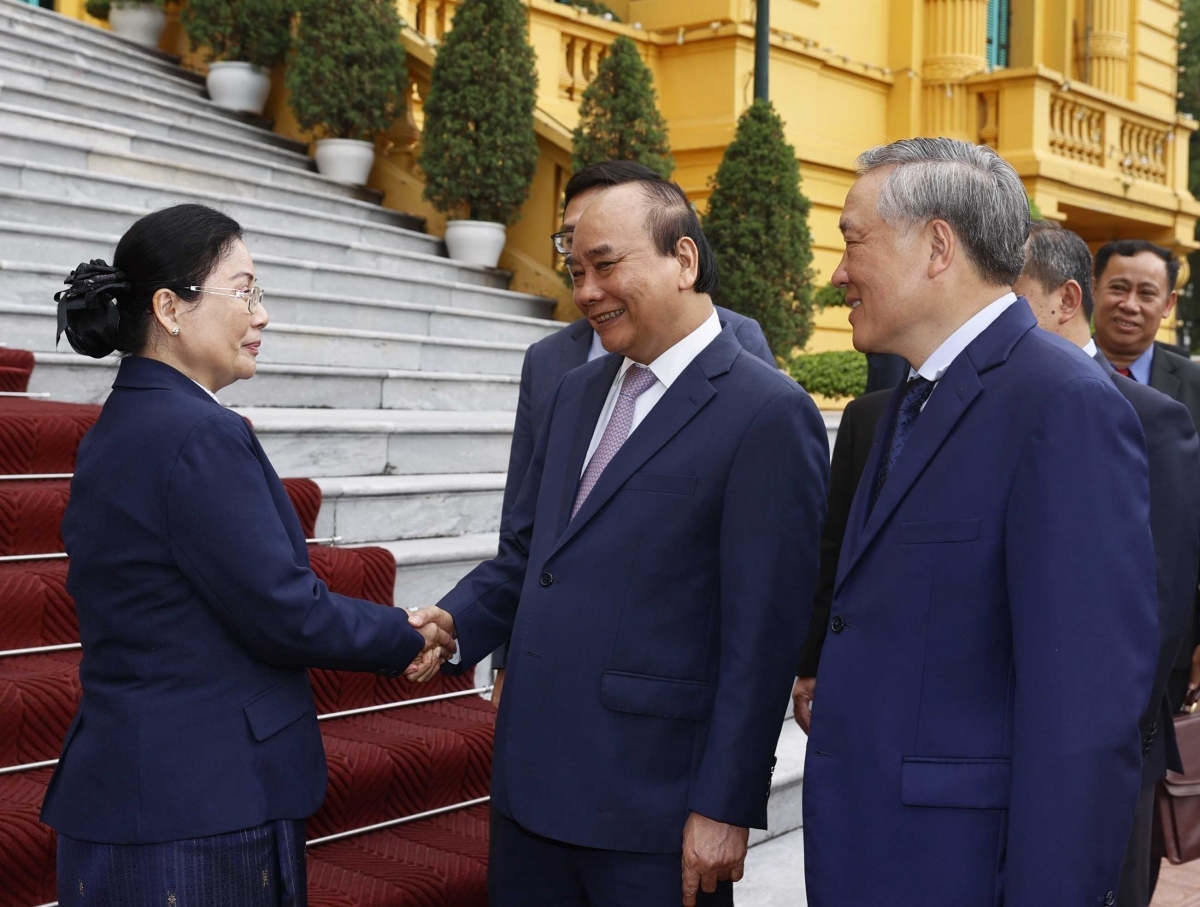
column 257, row 867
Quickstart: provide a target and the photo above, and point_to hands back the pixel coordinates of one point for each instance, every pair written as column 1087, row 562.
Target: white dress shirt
column 205, row 389
column 935, row 366
column 666, row 368
column 596, row 350
column 1090, row 347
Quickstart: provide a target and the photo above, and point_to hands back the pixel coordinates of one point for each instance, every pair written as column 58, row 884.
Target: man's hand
column 802, row 698
column 437, row 627
column 497, row 686
column 1193, row 693
column 712, row 852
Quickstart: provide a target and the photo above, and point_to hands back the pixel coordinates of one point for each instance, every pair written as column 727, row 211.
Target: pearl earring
column 175, row 333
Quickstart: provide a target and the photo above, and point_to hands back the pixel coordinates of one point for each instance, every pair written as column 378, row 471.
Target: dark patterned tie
column 1127, row 373
column 916, row 392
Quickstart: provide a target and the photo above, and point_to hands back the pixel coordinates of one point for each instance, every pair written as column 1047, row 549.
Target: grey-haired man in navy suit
column 552, row 357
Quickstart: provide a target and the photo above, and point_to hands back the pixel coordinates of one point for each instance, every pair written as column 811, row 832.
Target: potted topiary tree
column 757, row 224
column 480, row 150
column 619, row 118
column 140, row 21
column 245, row 38
column 347, row 80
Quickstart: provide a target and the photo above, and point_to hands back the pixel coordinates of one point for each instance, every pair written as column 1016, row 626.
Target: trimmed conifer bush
column 758, row 225
column 480, row 150
column 619, row 118
column 346, row 76
column 247, row 31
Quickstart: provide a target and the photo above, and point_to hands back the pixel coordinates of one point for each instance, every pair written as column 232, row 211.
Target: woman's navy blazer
column 198, row 614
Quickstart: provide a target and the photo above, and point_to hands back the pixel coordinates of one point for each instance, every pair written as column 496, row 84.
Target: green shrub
column 837, row 374
column 480, row 150
column 619, row 118
column 100, row 9
column 246, row 31
column 346, row 76
column 758, row 225
column 829, row 297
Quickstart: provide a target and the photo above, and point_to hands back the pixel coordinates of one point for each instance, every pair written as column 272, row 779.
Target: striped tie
column 637, row 381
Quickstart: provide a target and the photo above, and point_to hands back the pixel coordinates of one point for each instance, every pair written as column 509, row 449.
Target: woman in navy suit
column 195, row 756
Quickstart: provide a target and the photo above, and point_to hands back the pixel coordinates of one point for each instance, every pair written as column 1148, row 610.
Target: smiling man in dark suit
column 552, row 357
column 662, row 552
column 976, row 740
column 1058, row 285
column 1135, row 291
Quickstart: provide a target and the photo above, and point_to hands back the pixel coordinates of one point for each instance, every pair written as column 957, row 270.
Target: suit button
column 837, row 625
column 546, row 579
column 1110, row 899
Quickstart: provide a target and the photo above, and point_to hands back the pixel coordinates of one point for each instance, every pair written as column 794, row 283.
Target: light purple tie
column 637, row 381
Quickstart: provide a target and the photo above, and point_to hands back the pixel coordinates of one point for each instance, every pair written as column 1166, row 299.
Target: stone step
column 53, row 245
column 32, row 135
column 23, row 42
column 215, row 132
column 262, row 205
column 19, row 16
column 368, row 509
column 101, row 217
column 108, row 101
column 774, row 875
column 71, row 378
column 426, row 569
column 357, row 442
column 784, row 809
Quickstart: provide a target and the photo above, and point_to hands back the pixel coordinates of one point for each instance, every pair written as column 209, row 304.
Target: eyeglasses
column 252, row 296
column 562, row 241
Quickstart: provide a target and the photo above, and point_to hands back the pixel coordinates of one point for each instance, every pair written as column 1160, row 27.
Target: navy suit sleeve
column 773, row 511
column 484, row 603
column 842, row 485
column 1081, row 586
column 519, row 456
column 227, row 537
column 750, row 335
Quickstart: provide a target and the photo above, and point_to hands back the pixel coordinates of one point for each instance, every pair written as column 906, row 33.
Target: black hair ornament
column 92, row 286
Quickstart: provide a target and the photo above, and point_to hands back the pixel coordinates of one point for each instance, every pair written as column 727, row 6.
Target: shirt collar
column 670, row 365
column 1090, row 347
column 941, row 358
column 205, row 389
column 596, row 350
column 1141, row 366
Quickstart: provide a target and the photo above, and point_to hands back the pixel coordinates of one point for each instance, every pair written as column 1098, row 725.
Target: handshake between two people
column 437, row 627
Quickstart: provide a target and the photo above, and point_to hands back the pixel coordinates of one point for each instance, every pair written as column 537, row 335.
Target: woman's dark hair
column 106, row 309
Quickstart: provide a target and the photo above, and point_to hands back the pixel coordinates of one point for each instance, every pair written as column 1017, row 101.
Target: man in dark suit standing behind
column 1058, row 285
column 552, row 357
column 662, row 552
column 1135, row 291
column 969, row 765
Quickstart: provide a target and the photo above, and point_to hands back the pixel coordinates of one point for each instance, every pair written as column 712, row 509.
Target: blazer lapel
column 953, row 396
column 595, row 392
column 1163, row 377
column 686, row 397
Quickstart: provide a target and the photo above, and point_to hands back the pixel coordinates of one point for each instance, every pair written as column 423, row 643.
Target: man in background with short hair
column 1057, row 283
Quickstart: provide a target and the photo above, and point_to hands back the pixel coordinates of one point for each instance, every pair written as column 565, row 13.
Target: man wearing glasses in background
column 552, row 357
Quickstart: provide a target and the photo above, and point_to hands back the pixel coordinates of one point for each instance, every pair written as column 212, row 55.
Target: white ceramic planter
column 142, row 23
column 239, row 86
column 346, row 160
column 476, row 242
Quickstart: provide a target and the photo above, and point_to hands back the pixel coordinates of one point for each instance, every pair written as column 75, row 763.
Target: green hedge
column 837, row 374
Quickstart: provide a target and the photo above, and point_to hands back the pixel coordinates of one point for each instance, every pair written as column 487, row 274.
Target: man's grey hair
column 970, row 187
column 1054, row 256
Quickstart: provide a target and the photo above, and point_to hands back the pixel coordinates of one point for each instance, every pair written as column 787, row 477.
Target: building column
column 1108, row 47
column 955, row 48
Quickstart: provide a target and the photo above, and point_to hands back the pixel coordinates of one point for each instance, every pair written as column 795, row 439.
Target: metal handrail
column 59, row 555
column 41, row 650
column 31, row 476
column 24, row 394
column 457, row 694
column 378, row 826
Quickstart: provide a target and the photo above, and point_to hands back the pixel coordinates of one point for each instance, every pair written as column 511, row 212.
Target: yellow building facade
column 1079, row 95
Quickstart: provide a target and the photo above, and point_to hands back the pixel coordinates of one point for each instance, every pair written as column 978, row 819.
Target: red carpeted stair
column 15, row 368
column 382, row 765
